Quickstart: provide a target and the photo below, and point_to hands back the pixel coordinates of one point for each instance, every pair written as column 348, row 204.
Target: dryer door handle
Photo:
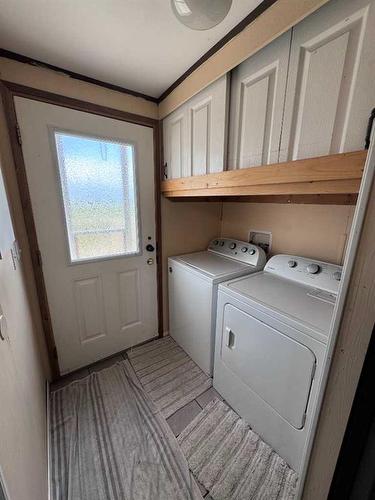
column 230, row 338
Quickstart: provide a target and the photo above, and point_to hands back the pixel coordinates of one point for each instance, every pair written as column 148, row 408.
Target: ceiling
column 136, row 44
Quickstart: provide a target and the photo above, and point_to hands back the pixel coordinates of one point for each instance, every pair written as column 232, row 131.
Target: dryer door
column 277, row 368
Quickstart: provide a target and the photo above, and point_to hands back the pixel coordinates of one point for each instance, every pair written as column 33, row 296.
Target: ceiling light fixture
column 200, row 14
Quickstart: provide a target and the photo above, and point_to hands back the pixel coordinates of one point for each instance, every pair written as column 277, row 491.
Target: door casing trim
column 10, row 90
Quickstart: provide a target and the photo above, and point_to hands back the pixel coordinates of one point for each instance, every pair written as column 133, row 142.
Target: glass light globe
column 200, row 14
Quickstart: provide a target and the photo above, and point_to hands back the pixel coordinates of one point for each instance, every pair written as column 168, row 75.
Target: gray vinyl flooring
column 177, row 422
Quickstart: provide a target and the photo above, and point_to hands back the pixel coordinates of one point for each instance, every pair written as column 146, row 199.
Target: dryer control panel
column 321, row 275
column 239, row 250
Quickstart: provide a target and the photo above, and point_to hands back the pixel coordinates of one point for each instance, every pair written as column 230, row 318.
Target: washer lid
column 213, row 265
column 301, row 303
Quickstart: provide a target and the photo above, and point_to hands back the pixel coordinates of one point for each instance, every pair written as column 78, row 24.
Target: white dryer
column 192, row 287
column 271, row 336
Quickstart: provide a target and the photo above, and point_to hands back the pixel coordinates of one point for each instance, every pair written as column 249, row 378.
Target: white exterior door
column 91, row 183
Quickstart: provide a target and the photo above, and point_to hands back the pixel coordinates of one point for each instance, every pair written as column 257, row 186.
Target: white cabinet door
column 175, row 132
column 195, row 134
column 330, row 89
column 207, row 123
column 256, row 106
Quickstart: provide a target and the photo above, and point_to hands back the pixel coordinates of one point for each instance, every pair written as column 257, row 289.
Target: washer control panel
column 311, row 272
column 239, row 250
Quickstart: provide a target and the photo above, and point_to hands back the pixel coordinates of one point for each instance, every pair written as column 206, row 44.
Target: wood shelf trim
column 318, row 187
column 333, row 174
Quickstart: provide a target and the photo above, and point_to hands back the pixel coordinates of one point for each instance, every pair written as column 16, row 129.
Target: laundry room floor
column 178, row 421
column 201, row 425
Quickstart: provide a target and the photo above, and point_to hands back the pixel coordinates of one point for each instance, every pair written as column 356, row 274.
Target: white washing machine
column 192, row 285
column 271, row 336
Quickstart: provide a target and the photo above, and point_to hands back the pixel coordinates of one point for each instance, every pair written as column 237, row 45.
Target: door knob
column 150, row 261
column 150, row 248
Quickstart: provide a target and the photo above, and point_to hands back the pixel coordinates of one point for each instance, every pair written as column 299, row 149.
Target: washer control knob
column 252, row 251
column 292, row 263
column 216, row 242
column 244, row 249
column 313, row 269
column 337, row 275
column 221, row 243
column 232, row 246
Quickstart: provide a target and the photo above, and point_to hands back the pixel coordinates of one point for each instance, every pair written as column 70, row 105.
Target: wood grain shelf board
column 333, row 174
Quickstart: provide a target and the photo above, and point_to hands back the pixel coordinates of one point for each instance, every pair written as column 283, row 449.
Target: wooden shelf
column 338, row 174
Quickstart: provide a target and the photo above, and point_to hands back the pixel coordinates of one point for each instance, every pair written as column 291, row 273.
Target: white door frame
column 11, row 90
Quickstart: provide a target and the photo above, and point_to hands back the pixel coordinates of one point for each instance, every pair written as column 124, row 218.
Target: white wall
column 24, row 368
column 59, row 83
column 23, row 453
column 316, row 231
column 187, row 226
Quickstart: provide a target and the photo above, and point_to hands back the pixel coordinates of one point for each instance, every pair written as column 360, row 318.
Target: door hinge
column 18, row 132
column 39, row 258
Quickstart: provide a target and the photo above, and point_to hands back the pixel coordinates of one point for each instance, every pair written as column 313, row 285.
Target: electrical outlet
column 261, row 238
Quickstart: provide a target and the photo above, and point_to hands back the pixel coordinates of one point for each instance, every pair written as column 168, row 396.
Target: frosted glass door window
column 100, row 196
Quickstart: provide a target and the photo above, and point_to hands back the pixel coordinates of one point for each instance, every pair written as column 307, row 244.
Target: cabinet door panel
column 328, row 94
column 175, row 144
column 200, row 137
column 207, row 124
column 195, row 135
column 256, row 106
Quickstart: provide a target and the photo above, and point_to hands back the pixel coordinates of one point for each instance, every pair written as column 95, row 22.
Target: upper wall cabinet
column 195, row 134
column 330, row 89
column 258, row 89
column 307, row 94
